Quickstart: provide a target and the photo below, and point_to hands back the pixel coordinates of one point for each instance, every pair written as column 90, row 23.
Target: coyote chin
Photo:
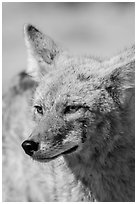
column 84, row 111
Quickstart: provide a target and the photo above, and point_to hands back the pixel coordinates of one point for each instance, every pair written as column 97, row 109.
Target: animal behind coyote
column 83, row 126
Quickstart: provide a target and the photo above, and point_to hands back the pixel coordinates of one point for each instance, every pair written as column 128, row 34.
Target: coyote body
column 83, row 126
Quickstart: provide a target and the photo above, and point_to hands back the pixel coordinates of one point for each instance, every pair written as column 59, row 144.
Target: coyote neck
column 65, row 187
column 106, row 171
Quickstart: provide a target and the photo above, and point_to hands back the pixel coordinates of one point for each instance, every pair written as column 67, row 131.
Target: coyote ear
column 121, row 83
column 41, row 52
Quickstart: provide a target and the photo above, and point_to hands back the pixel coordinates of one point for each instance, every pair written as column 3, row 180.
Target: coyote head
column 79, row 103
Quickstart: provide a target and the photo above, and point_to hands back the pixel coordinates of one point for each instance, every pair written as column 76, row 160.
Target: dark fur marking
column 32, row 29
column 113, row 92
column 113, row 89
column 82, row 77
column 62, row 132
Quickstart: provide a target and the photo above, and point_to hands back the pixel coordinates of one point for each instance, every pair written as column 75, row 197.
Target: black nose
column 30, row 147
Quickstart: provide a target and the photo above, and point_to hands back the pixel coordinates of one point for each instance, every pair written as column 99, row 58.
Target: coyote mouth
column 47, row 159
column 69, row 151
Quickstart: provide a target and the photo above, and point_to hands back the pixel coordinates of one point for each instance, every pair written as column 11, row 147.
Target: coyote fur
column 74, row 116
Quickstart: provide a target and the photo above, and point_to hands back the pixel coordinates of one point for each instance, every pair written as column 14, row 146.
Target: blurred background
column 101, row 28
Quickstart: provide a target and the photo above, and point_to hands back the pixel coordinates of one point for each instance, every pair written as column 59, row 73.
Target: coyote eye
column 39, row 109
column 71, row 109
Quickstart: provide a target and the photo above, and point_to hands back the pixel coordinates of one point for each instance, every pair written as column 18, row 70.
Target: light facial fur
column 83, row 113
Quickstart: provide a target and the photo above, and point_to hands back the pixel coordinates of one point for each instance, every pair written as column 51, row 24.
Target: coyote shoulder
column 82, row 133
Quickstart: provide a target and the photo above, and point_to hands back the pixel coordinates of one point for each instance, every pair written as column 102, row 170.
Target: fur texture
column 83, row 113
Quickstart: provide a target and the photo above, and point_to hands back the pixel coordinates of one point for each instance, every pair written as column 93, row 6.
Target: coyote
column 82, row 134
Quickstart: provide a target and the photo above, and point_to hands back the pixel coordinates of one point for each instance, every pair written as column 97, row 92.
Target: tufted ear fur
column 120, row 82
column 42, row 52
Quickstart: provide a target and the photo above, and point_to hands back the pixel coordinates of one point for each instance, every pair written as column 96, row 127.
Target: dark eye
column 39, row 109
column 71, row 109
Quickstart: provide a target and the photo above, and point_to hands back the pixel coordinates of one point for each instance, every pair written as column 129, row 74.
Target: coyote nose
column 30, row 147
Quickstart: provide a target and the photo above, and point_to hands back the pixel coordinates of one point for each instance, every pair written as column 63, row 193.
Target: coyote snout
column 53, row 137
column 30, row 147
column 83, row 110
column 43, row 152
